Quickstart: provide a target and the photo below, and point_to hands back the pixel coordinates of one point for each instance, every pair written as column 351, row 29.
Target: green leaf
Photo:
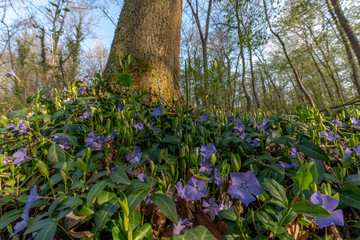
column 354, row 179
column 96, row 176
column 350, row 196
column 54, row 204
column 198, row 233
column 312, row 150
column 303, row 178
column 311, row 210
column 228, row 215
column 170, row 139
column 95, row 190
column 144, row 232
column 70, row 202
column 108, row 209
column 119, row 175
column 134, row 199
column 57, row 115
column 56, row 154
column 37, row 225
column 18, row 114
column 105, row 196
column 277, row 191
column 48, row 232
column 134, row 219
column 44, row 169
column 166, row 205
column 125, row 80
column 9, row 217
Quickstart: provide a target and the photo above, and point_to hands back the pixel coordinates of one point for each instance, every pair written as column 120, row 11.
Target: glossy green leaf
column 311, row 210
column 144, row 232
column 9, row 217
column 277, row 191
column 350, row 196
column 134, row 199
column 48, row 232
column 108, row 209
column 312, row 150
column 120, row 176
column 95, row 190
column 198, row 233
column 354, row 179
column 56, row 154
column 166, row 205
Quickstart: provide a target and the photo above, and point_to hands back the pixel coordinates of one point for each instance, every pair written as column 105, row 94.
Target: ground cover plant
column 99, row 161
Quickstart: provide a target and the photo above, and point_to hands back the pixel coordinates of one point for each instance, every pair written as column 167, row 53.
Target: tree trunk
column 149, row 31
column 296, row 73
column 355, row 44
column 352, row 62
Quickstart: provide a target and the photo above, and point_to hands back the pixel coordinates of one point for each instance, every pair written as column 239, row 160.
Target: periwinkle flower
column 357, row 150
column 86, row 115
column 12, row 73
column 329, row 203
column 211, row 207
column 336, row 122
column 355, row 121
column 287, row 165
column 95, row 141
column 195, row 189
column 139, row 126
column 32, row 198
column 141, row 176
column 182, row 224
column 205, row 166
column 135, row 157
column 216, row 177
column 231, row 118
column 157, row 111
column 207, row 150
column 254, row 142
column 81, row 91
column 6, row 160
column 20, row 156
column 203, row 118
column 180, row 189
column 293, row 152
column 21, row 128
column 329, row 135
column 225, row 206
column 243, row 185
column 62, row 141
column 119, row 106
column 65, row 90
column 111, row 135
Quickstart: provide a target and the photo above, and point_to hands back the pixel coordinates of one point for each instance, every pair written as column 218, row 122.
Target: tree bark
column 355, row 44
column 149, row 31
column 352, row 62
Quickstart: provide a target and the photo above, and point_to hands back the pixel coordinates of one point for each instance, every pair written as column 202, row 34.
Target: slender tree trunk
column 296, row 73
column 149, row 31
column 253, row 80
column 352, row 62
column 355, row 44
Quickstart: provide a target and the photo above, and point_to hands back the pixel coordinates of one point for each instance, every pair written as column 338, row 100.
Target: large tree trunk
column 149, row 31
column 355, row 44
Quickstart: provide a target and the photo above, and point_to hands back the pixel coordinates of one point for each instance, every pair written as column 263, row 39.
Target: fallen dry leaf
column 294, row 229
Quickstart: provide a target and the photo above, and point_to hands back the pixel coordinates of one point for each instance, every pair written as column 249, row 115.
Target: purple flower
column 119, row 106
column 182, row 224
column 6, row 160
column 141, row 176
column 81, row 91
column 180, row 189
column 12, row 73
column 254, row 142
column 21, row 128
column 32, row 198
column 286, row 165
column 95, row 141
column 216, row 177
column 243, row 185
column 329, row 203
column 293, row 152
column 329, row 135
column 135, row 157
column 355, row 121
column 65, row 90
column 205, row 166
column 195, row 189
column 157, row 111
column 86, row 115
column 211, row 207
column 263, row 124
column 62, row 141
column 203, row 118
column 224, row 206
column 336, row 122
column 111, row 135
column 139, row 126
column 231, row 118
column 20, row 156
column 357, row 150
column 207, row 150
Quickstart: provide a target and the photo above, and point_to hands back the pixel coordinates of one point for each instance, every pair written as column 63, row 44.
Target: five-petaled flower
column 157, row 111
column 329, row 135
column 62, row 141
column 207, row 150
column 20, row 156
column 329, row 203
column 195, row 189
column 211, row 207
column 86, row 115
column 182, row 224
column 355, row 121
column 95, row 141
column 203, row 118
column 243, row 185
column 135, row 157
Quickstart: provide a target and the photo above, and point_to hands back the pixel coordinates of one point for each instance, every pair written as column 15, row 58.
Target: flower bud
column 213, row 159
